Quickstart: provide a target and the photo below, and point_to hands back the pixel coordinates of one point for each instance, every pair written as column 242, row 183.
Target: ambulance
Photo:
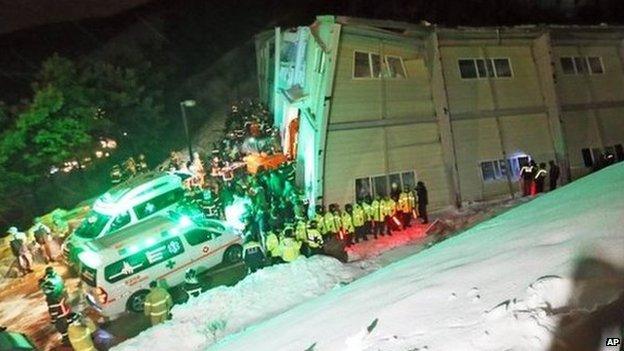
column 119, row 267
column 138, row 199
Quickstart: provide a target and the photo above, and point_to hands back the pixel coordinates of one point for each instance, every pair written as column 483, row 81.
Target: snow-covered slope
column 226, row 310
column 495, row 287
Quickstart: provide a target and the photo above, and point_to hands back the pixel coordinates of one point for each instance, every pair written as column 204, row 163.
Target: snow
column 494, row 287
column 225, row 310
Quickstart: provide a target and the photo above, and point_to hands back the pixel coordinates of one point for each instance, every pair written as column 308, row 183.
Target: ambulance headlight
column 90, row 258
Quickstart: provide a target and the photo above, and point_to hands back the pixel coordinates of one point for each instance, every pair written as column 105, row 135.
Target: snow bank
column 496, row 286
column 225, row 310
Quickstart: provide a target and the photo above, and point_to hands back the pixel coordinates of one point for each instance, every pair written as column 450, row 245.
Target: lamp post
column 183, row 104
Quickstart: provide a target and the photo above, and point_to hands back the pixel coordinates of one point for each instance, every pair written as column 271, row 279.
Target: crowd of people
column 277, row 220
column 128, row 169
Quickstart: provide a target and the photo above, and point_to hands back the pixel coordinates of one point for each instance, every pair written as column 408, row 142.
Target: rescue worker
column 540, row 177
column 389, row 210
column 411, row 201
column 53, row 289
column 289, row 247
column 43, row 237
column 337, row 222
column 157, row 304
column 526, row 176
column 79, row 332
column 346, row 221
column 272, row 246
column 197, row 168
column 141, row 165
column 319, row 218
column 406, row 203
column 554, row 173
column 402, row 208
column 423, row 201
column 116, row 176
column 368, row 217
column 329, row 222
column 20, row 250
column 378, row 217
column 130, row 167
column 313, row 240
column 209, row 204
column 301, row 229
column 191, row 286
column 253, row 255
column 358, row 218
column 174, row 161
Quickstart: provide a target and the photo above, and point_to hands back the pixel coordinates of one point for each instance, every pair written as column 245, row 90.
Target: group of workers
column 532, row 177
column 37, row 243
column 128, row 169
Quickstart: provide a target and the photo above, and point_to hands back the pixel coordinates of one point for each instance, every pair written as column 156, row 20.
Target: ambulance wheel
column 233, row 254
column 136, row 302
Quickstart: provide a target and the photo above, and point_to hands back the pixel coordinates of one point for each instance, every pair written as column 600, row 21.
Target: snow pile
column 500, row 285
column 225, row 310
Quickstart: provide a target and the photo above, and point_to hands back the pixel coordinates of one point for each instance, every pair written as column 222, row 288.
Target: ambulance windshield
column 92, row 225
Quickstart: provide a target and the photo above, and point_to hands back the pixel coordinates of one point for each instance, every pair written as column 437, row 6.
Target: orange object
column 254, row 161
column 293, row 130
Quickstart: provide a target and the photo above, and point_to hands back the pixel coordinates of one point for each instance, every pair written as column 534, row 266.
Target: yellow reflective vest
column 320, row 223
column 377, row 210
column 272, row 244
column 80, row 335
column 358, row 216
column 329, row 223
column 314, row 238
column 404, row 204
column 289, row 249
column 368, row 212
column 411, row 200
column 300, row 230
column 157, row 305
column 347, row 222
column 388, row 207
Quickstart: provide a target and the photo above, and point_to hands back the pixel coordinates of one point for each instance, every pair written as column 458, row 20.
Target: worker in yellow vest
column 314, row 240
column 157, row 304
column 403, row 208
column 330, row 222
column 368, row 216
column 347, row 224
column 289, row 247
column 301, row 228
column 272, row 246
column 389, row 210
column 318, row 217
column 378, row 212
column 79, row 332
column 337, row 221
column 406, row 202
column 357, row 218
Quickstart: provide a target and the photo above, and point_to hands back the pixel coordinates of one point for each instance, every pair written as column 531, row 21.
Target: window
column 619, row 152
column 363, row 189
column 199, row 236
column 582, row 65
column 120, row 221
column 366, row 65
column 492, row 170
column 503, row 68
column 320, row 60
column 92, row 225
column 595, row 65
column 142, row 260
column 467, row 69
column 158, row 203
column 588, row 160
column 379, row 185
column 483, row 68
column 395, row 67
column 567, row 65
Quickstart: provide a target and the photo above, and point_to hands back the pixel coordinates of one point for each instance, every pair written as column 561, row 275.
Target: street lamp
column 183, row 104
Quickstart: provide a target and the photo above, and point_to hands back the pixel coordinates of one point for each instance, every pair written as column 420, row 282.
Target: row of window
column 381, row 185
column 484, row 68
column 492, row 170
column 368, row 65
column 582, row 65
column 591, row 156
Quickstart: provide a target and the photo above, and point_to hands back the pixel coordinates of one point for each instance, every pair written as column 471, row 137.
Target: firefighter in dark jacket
column 554, row 173
column 526, row 175
column 20, row 250
column 56, row 298
column 423, row 201
column 540, row 177
column 191, row 286
column 253, row 255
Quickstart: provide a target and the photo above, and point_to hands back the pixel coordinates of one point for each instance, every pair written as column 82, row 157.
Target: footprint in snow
column 452, row 297
column 473, row 294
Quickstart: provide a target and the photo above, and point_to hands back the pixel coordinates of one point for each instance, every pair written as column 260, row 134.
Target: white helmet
column 13, row 231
